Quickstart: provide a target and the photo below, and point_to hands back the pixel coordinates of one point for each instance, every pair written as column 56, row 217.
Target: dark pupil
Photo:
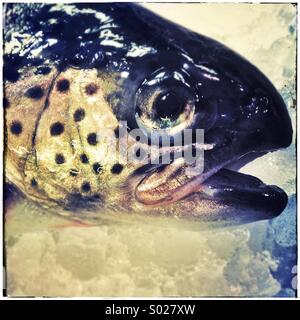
column 168, row 105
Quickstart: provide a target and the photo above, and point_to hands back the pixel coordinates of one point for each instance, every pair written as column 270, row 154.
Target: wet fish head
column 99, row 97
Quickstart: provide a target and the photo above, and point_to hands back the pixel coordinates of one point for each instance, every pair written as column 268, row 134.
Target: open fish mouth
column 167, row 184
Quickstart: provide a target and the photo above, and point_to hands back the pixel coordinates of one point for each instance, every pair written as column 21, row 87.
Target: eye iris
column 166, row 100
column 168, row 105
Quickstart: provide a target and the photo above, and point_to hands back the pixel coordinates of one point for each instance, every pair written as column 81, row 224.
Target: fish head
column 138, row 115
column 197, row 83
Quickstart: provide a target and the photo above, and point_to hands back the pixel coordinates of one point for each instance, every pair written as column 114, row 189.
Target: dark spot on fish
column 56, row 129
column 12, row 62
column 43, row 70
column 147, row 168
column 138, row 152
column 63, row 85
column 16, row 128
column 79, row 115
column 91, row 89
column 6, row 103
column 117, row 168
column 11, row 74
column 84, row 158
column 97, row 167
column 92, row 139
column 59, row 158
column 33, row 183
column 10, row 195
column 86, row 187
column 77, row 201
column 62, row 65
column 73, row 172
column 35, row 93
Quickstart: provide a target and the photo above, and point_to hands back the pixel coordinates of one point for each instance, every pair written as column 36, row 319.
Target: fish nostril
column 273, row 109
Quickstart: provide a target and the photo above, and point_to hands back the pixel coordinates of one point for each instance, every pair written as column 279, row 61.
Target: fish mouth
column 166, row 184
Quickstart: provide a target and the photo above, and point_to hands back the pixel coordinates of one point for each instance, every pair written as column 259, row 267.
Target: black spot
column 56, row 129
column 12, row 62
column 138, row 152
column 91, row 89
column 11, row 74
column 92, row 139
column 76, row 202
column 62, row 65
column 86, row 187
column 33, row 183
column 79, row 114
column 97, row 167
column 16, row 127
column 117, row 168
column 63, row 85
column 59, row 158
column 84, row 158
column 43, row 70
column 73, row 172
column 10, row 194
column 6, row 103
column 35, row 93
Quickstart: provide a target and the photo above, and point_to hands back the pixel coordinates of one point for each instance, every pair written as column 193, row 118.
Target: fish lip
column 246, row 191
column 266, row 201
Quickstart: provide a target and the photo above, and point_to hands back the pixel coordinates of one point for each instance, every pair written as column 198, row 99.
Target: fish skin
column 109, row 50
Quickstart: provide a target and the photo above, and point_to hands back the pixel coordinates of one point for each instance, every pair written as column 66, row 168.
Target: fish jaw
column 227, row 197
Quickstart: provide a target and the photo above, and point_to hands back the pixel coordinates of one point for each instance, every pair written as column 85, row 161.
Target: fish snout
column 275, row 122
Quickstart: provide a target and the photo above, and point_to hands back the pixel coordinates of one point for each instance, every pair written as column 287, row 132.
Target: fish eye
column 168, row 105
column 166, row 102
